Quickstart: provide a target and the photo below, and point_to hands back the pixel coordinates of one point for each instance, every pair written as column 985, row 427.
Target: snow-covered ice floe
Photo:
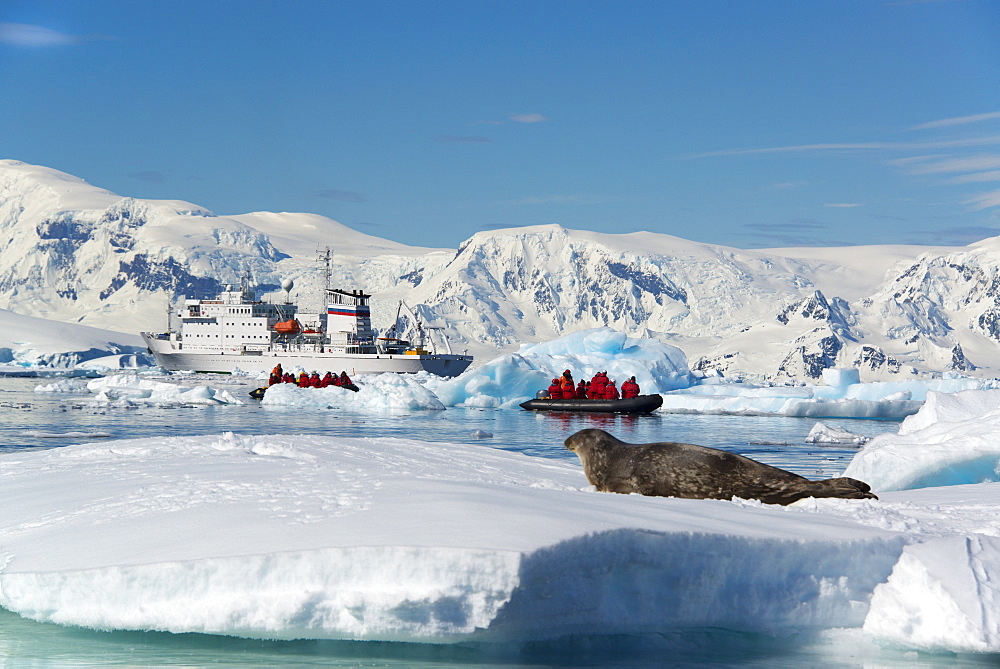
column 953, row 439
column 404, row 540
column 128, row 389
column 378, row 393
column 841, row 396
column 827, row 434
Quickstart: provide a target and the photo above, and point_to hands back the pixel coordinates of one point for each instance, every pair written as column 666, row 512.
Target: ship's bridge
column 348, row 313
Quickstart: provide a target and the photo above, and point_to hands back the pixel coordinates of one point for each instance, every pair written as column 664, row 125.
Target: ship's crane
column 422, row 330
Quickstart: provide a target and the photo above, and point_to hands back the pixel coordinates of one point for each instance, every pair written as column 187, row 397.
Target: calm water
column 36, row 420
column 30, row 420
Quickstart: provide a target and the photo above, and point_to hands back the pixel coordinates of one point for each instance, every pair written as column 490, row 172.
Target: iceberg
column 950, row 441
column 510, row 379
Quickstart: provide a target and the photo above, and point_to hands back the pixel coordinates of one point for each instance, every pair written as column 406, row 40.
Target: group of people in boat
column 305, row 380
column 598, row 388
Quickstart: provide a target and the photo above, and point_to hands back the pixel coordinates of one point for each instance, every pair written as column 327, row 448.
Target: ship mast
column 171, row 292
column 324, row 261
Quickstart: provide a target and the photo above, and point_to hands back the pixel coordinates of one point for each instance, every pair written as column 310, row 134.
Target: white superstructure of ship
column 237, row 332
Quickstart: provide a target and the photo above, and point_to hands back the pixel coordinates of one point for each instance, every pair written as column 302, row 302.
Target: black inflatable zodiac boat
column 640, row 404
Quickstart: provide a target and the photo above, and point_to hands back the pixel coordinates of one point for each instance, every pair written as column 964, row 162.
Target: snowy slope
column 81, row 254
column 77, row 253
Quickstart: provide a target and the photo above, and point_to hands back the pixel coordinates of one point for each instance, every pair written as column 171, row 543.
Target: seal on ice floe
column 671, row 469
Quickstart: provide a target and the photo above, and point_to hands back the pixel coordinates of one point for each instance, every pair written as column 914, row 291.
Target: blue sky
column 745, row 123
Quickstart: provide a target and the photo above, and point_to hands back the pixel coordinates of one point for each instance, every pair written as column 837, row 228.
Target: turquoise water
column 30, row 420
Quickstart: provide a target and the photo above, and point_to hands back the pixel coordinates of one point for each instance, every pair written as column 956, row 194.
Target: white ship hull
column 170, row 355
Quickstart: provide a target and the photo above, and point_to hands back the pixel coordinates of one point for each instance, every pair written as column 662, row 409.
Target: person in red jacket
column 610, row 392
column 555, row 390
column 303, row 380
column 568, row 385
column 314, row 380
column 597, row 386
column 581, row 390
column 343, row 380
column 327, row 380
column 630, row 389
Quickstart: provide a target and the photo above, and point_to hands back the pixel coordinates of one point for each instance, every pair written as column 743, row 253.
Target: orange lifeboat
column 288, row 327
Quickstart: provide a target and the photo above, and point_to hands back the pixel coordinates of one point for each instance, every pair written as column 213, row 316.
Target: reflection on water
column 35, row 420
column 28, row 644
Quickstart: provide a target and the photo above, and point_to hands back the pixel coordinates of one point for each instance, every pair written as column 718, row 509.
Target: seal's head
column 586, row 440
column 594, row 448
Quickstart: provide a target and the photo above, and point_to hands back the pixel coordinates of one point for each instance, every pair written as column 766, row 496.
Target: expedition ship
column 235, row 331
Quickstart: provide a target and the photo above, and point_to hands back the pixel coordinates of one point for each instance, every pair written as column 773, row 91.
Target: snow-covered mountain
column 77, row 253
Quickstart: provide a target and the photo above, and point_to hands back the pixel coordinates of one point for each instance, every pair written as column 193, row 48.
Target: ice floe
column 378, row 392
column 827, row 434
column 951, row 440
column 398, row 539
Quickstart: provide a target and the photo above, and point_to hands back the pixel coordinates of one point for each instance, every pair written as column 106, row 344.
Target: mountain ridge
column 78, row 253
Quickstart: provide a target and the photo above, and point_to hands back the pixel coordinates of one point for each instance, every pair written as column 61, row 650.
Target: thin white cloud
column 963, row 164
column 978, row 177
column 527, row 118
column 985, row 200
column 946, row 159
column 843, row 205
column 990, row 140
column 24, row 34
column 913, row 160
column 957, row 120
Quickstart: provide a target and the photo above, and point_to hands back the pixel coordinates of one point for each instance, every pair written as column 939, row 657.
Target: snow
column 277, row 536
column 943, row 593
